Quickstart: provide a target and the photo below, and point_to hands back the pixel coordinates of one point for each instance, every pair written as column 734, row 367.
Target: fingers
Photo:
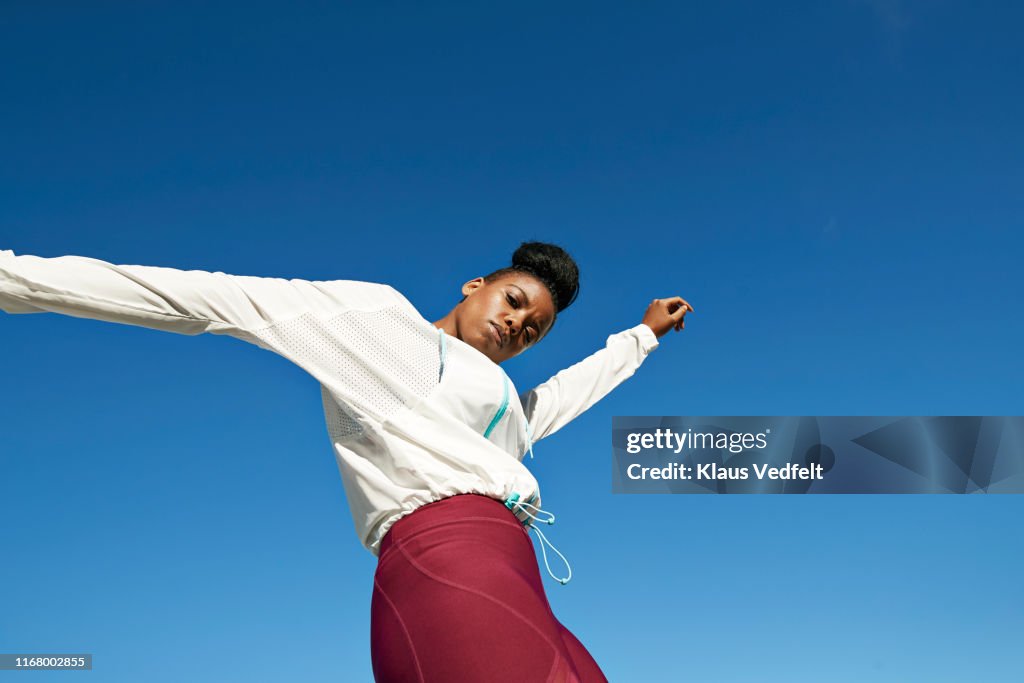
column 676, row 308
column 679, row 301
column 679, row 312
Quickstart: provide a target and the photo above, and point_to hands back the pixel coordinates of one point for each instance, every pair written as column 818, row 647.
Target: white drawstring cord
column 543, row 541
column 513, row 502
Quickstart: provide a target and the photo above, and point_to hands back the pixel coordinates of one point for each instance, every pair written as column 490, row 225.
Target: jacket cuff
column 648, row 340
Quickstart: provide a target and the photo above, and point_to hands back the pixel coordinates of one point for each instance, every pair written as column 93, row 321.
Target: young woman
column 428, row 432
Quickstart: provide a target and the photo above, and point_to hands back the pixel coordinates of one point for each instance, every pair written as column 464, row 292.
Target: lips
column 496, row 334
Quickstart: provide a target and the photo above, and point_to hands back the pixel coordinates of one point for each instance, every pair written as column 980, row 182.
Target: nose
column 513, row 323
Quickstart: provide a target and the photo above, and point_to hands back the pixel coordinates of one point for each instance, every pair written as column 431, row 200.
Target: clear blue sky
column 835, row 186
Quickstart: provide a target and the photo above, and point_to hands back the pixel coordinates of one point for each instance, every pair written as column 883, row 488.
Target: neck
column 447, row 324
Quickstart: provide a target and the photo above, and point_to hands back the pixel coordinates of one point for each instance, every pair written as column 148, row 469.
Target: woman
column 427, row 429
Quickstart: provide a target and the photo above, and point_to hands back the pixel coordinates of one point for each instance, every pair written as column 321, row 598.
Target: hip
column 466, row 522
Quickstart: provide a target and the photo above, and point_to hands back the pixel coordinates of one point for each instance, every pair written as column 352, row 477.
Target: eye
column 512, row 300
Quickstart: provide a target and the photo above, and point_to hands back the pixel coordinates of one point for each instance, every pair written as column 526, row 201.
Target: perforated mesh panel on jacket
column 342, row 423
column 352, row 351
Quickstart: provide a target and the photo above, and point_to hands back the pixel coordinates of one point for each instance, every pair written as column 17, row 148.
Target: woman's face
column 503, row 318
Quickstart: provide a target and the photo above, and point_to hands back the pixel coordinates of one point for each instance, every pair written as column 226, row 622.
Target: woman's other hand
column 665, row 314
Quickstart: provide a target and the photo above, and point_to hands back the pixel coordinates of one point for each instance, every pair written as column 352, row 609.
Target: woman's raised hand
column 665, row 314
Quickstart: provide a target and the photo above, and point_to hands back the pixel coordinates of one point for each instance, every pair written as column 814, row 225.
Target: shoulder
column 359, row 295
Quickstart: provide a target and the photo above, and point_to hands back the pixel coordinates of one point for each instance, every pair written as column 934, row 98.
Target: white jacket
column 407, row 407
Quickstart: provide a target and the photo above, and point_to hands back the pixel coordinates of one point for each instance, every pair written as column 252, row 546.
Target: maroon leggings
column 458, row 597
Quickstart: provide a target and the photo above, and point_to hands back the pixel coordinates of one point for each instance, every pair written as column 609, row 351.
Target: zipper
column 444, row 357
column 501, row 409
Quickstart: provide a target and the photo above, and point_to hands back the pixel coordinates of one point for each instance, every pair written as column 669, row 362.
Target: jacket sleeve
column 181, row 301
column 556, row 402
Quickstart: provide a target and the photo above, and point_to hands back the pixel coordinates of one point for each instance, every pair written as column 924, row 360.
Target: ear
column 473, row 285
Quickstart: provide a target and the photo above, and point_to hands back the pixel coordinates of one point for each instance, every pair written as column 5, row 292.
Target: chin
column 482, row 344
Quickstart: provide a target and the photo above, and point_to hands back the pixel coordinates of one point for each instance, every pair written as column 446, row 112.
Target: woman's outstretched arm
column 181, row 301
column 553, row 404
